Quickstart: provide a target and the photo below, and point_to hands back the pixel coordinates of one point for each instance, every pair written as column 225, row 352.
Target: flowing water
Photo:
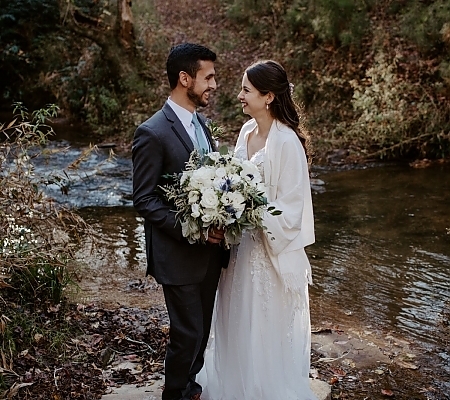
column 381, row 257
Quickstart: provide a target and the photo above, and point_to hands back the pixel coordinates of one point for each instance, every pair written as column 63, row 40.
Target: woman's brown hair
column 269, row 76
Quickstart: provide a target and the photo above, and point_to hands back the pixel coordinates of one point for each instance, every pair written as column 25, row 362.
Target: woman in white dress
column 260, row 342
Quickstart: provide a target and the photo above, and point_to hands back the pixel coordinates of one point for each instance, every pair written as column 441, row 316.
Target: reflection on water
column 382, row 249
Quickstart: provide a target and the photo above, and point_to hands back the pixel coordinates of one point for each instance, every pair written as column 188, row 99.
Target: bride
column 260, row 344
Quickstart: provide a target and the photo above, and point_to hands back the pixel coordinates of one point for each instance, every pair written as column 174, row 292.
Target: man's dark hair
column 186, row 57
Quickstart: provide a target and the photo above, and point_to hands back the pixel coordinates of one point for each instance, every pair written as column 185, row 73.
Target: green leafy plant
column 342, row 22
column 426, row 24
column 394, row 116
column 38, row 240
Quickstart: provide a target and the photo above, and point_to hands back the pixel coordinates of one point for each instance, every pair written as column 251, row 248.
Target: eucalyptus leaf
column 223, row 150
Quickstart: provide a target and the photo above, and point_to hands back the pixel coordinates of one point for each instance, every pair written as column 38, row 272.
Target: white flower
column 195, row 210
column 218, row 190
column 209, row 198
column 235, row 178
column 250, row 172
column 214, row 156
column 202, row 177
column 207, row 219
column 227, row 183
column 193, row 196
column 235, row 200
column 235, row 161
column 221, row 172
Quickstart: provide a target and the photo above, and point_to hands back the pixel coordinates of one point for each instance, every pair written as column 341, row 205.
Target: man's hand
column 215, row 236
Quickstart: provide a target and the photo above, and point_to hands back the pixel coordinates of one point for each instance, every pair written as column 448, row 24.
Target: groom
column 189, row 273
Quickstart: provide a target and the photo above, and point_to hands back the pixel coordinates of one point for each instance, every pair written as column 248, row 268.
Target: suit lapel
column 178, row 128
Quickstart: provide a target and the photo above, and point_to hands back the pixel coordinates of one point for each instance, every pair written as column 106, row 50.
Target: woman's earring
column 267, row 106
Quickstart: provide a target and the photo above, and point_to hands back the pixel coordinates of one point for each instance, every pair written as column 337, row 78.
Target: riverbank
column 118, row 347
column 357, row 361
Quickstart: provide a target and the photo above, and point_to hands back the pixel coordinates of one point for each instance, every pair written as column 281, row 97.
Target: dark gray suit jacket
column 161, row 146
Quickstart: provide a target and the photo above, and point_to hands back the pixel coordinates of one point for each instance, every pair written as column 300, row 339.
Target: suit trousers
column 190, row 309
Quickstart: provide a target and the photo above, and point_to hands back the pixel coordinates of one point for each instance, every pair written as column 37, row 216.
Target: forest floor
column 118, row 337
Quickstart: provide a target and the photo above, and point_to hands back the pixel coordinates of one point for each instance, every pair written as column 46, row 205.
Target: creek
column 381, row 258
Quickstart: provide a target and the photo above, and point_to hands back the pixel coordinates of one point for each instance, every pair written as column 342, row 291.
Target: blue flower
column 230, row 210
column 226, row 185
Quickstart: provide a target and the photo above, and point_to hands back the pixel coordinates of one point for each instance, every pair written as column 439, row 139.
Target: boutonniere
column 217, row 131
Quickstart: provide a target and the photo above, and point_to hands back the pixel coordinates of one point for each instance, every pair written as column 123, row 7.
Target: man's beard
column 196, row 98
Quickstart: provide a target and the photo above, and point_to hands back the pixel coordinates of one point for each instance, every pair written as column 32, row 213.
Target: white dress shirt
column 185, row 116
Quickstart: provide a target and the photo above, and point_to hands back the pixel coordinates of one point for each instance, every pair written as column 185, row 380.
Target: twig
column 139, row 342
column 8, row 371
column 329, row 359
column 135, row 351
column 54, row 376
column 379, row 152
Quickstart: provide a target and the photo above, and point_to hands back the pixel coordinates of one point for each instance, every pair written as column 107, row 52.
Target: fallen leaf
column 387, row 392
column 24, row 353
column 321, row 330
column 38, row 337
column 314, row 373
column 405, row 364
column 338, row 371
column 14, row 389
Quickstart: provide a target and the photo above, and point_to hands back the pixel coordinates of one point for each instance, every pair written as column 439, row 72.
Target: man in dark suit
column 189, row 273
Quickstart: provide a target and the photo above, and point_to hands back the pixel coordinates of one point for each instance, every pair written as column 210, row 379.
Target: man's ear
column 184, row 78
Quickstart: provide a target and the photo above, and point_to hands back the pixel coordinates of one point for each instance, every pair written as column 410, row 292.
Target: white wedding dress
column 259, row 347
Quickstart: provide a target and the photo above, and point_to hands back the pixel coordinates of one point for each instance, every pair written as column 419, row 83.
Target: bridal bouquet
column 218, row 190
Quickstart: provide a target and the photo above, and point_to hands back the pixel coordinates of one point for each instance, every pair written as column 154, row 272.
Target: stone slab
column 153, row 391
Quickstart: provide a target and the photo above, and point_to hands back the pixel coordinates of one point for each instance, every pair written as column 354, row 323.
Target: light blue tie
column 202, row 144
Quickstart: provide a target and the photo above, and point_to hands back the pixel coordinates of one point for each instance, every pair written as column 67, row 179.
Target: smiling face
column 253, row 102
column 200, row 87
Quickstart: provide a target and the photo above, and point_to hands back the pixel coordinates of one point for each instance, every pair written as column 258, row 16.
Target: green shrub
column 342, row 22
column 424, row 24
column 243, row 10
column 102, row 106
column 37, row 238
column 21, row 22
column 394, row 116
column 263, row 19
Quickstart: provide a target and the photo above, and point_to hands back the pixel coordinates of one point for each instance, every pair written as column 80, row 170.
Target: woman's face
column 253, row 102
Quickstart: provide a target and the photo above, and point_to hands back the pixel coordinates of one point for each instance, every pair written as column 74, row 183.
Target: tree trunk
column 125, row 27
column 118, row 44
